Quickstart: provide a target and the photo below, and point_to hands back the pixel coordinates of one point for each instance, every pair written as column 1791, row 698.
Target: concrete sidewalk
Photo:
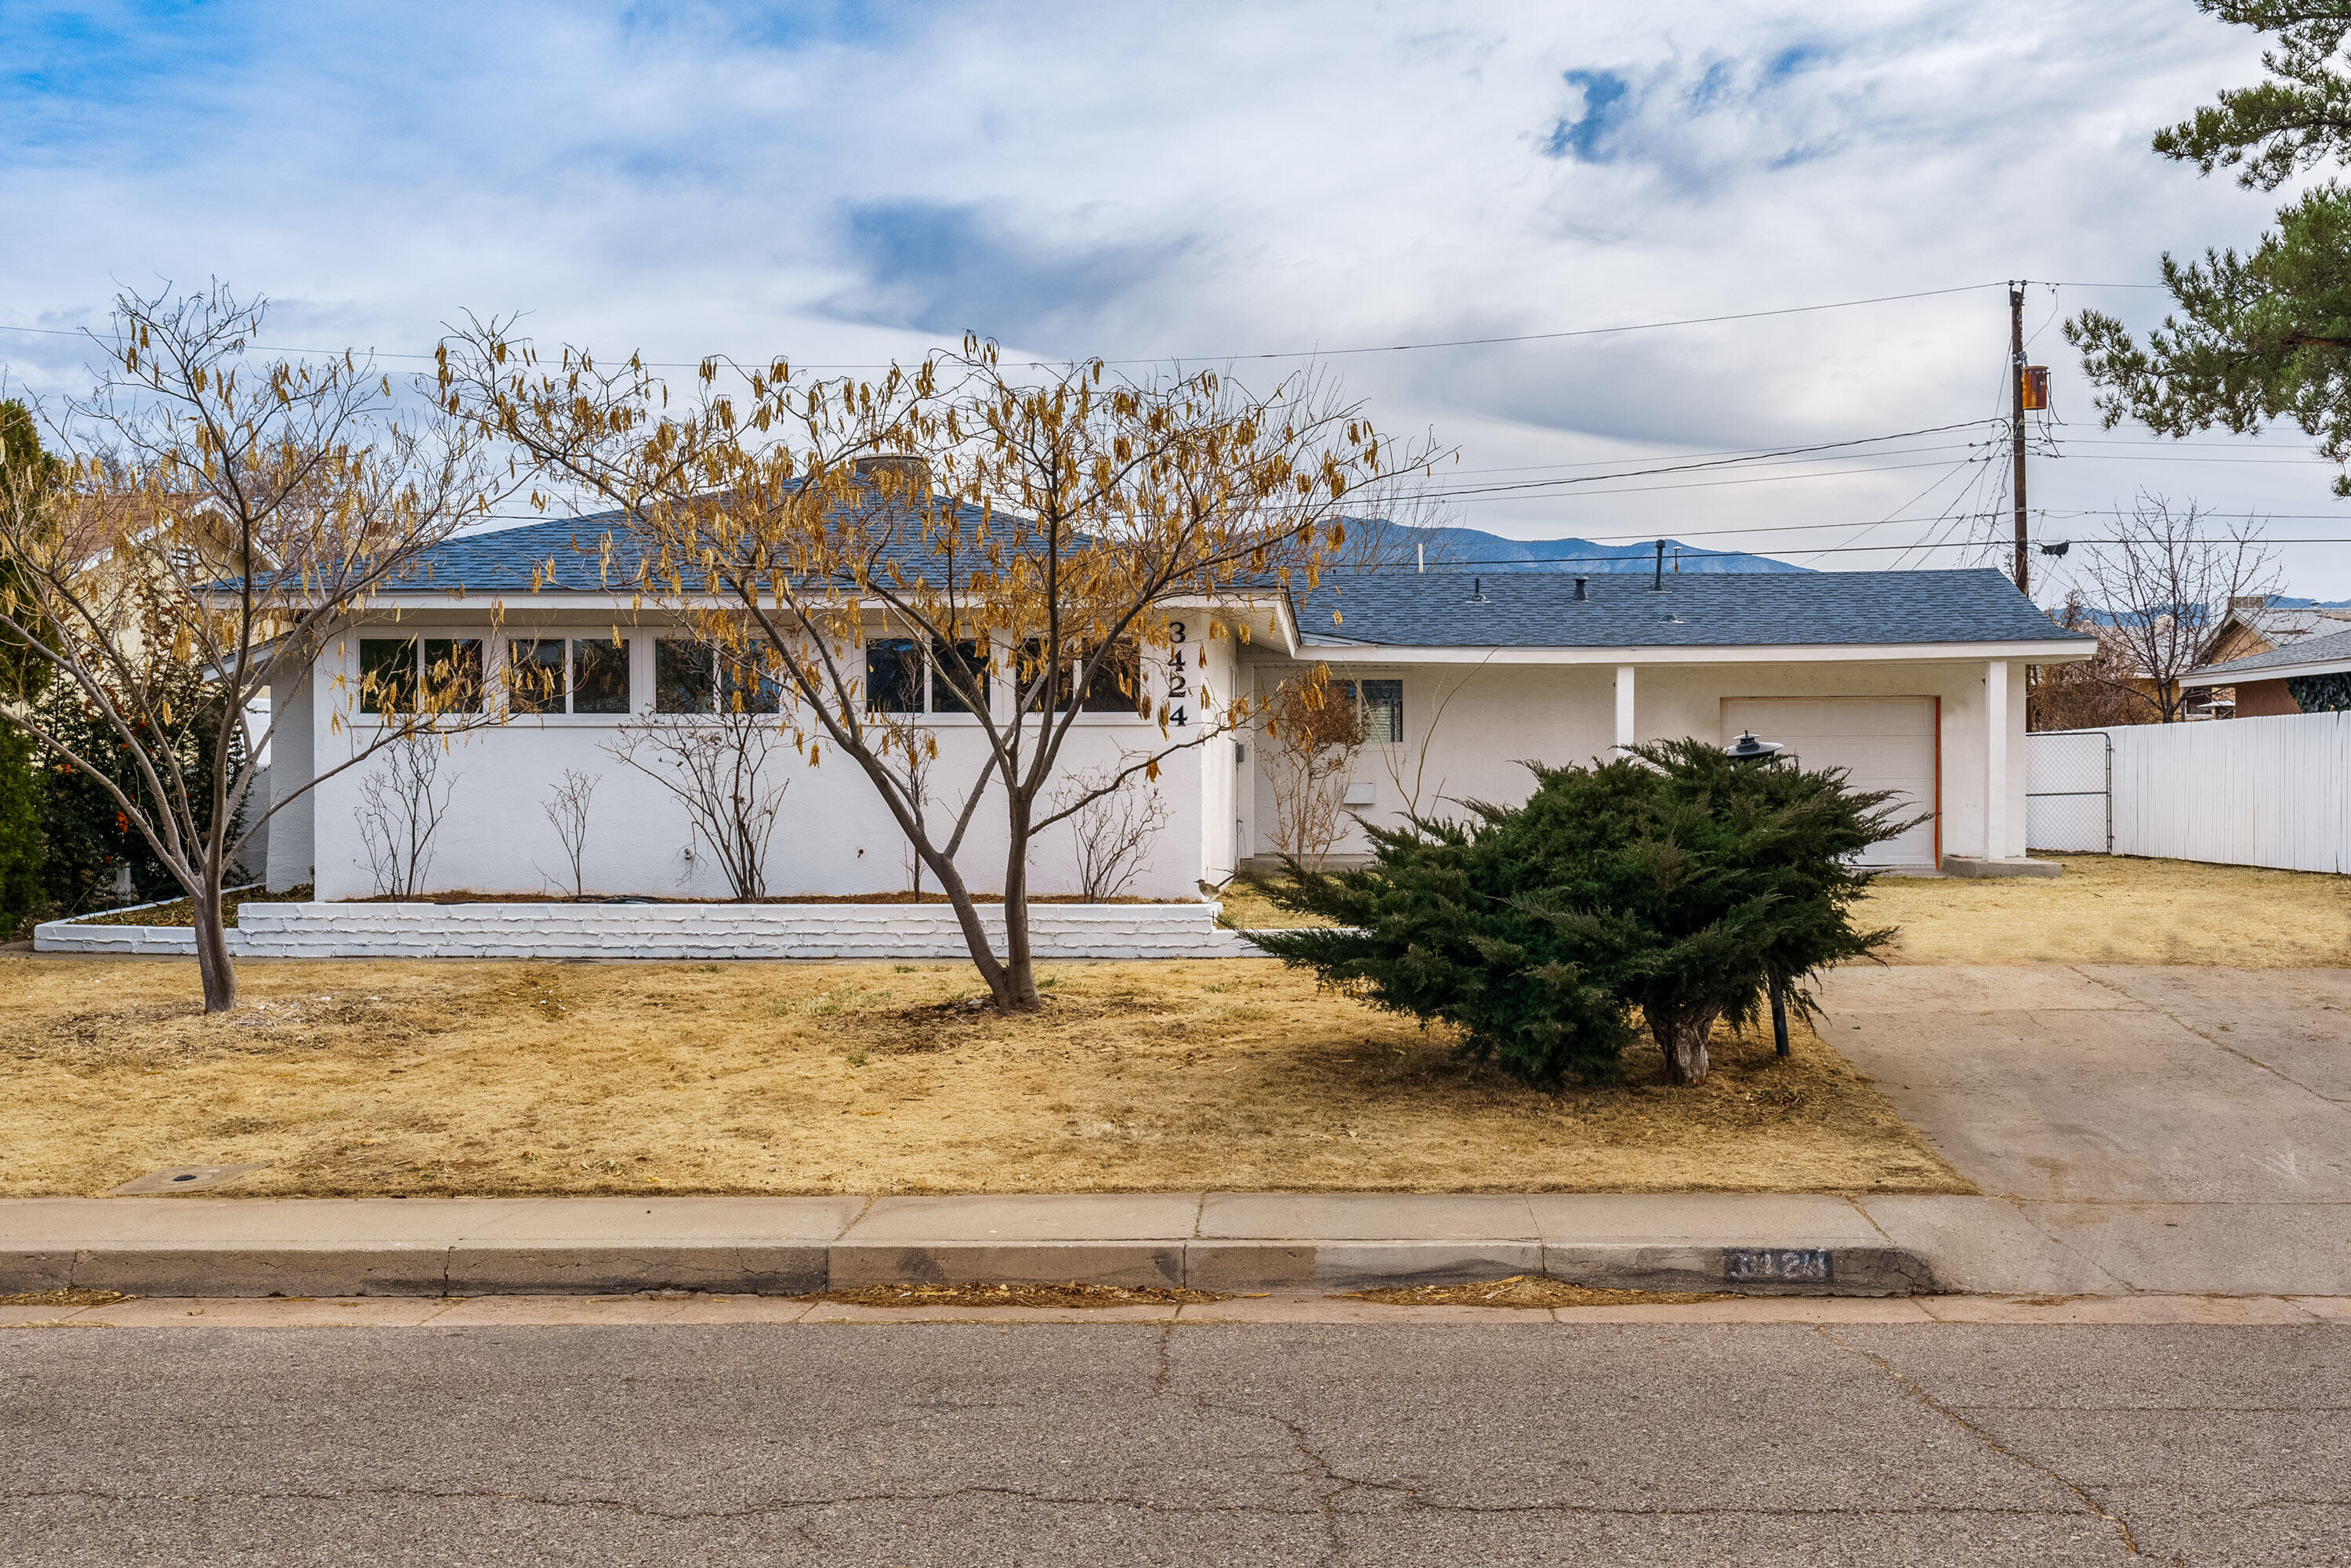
column 1763, row 1244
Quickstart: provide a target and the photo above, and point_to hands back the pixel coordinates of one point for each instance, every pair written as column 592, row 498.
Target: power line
column 1231, row 358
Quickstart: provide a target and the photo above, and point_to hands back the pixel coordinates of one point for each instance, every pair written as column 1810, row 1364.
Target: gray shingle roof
column 1411, row 609
column 2335, row 649
column 569, row 554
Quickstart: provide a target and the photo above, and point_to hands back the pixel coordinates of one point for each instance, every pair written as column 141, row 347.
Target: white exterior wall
column 1495, row 714
column 833, row 835
column 293, row 744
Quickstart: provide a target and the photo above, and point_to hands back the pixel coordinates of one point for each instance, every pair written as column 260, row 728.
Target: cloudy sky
column 843, row 184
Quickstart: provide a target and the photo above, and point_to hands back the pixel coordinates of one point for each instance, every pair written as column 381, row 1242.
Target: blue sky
column 843, row 184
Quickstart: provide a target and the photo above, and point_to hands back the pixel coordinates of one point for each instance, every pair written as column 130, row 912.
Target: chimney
column 911, row 476
column 1581, row 592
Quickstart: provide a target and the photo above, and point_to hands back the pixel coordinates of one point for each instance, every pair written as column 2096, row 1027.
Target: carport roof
column 1524, row 610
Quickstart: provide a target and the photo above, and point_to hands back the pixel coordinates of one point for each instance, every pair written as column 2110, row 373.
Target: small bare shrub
column 1113, row 831
column 400, row 810
column 716, row 766
column 1313, row 733
column 567, row 812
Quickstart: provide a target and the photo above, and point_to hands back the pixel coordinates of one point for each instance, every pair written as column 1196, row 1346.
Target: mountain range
column 1461, row 550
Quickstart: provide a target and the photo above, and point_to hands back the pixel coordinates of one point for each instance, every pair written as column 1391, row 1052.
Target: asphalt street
column 1753, row 1443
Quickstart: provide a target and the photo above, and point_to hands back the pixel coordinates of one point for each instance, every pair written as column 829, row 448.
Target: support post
column 1996, row 759
column 1625, row 735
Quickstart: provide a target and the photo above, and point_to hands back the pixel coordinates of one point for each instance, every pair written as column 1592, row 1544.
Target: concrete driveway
column 2134, row 1127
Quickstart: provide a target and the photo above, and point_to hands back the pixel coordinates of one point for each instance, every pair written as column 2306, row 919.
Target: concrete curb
column 1790, row 1246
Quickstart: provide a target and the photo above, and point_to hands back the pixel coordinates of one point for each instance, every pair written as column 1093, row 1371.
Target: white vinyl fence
column 2239, row 791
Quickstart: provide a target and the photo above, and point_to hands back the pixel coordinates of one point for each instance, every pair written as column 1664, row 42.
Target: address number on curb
column 1805, row 1265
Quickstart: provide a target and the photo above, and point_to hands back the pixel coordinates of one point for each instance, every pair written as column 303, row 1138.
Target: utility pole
column 2016, row 428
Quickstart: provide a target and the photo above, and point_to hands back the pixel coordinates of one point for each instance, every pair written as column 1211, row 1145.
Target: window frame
column 421, row 648
column 564, row 702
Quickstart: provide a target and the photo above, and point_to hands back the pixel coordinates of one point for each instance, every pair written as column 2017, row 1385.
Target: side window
column 893, row 675
column 1115, row 686
column 394, row 670
column 962, row 665
column 684, row 678
column 453, row 673
column 1383, row 703
column 745, row 684
column 534, row 675
column 703, row 678
column 600, row 675
column 558, row 674
column 387, row 674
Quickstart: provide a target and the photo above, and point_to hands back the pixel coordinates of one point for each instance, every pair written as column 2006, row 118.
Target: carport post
column 1996, row 759
column 1625, row 737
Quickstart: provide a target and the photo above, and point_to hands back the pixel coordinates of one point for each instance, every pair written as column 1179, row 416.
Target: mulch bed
column 1069, row 1295
column 1533, row 1290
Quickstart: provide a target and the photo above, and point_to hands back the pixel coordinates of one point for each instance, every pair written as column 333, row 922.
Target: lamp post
column 1747, row 749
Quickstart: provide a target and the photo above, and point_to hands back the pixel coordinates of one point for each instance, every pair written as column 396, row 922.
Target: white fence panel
column 2240, row 791
column 2066, row 784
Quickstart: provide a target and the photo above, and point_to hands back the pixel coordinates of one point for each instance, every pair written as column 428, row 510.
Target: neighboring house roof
column 1410, row 610
column 2306, row 656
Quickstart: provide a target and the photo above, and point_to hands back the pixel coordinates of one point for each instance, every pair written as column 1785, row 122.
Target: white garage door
column 1884, row 742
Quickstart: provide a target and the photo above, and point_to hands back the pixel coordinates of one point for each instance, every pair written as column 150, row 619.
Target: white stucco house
column 1913, row 680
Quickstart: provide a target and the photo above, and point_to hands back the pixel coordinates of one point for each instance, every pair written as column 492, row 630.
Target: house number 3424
column 1179, row 688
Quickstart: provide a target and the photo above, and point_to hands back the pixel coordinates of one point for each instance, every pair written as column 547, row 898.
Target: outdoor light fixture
column 1747, row 749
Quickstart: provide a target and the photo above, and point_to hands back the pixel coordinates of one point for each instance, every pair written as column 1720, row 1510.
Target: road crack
column 1928, row 1401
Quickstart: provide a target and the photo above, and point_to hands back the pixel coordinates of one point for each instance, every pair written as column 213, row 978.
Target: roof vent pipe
column 1477, row 590
column 1581, row 592
column 1658, row 582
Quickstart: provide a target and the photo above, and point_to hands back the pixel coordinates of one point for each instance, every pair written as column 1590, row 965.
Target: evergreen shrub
column 1675, row 885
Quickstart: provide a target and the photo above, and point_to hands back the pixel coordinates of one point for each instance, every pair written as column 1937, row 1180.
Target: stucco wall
column 292, row 743
column 833, row 836
column 1495, row 714
column 2265, row 699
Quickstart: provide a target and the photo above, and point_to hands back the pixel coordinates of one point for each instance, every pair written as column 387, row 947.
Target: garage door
column 1884, row 742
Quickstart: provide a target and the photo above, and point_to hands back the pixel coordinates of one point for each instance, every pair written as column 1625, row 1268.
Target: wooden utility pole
column 2016, row 427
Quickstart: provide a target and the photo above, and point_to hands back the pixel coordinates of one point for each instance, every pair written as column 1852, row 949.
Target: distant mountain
column 1469, row 549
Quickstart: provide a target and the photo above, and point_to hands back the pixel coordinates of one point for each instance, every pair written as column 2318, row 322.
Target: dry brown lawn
column 2104, row 909
column 2107, row 909
column 454, row 1078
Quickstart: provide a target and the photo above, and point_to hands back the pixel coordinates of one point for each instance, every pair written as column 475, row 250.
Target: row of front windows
column 591, row 676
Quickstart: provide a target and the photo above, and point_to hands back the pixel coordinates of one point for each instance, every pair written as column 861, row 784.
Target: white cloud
column 845, row 184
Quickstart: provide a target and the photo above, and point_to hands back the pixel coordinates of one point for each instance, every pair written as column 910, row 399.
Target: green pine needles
column 1675, row 886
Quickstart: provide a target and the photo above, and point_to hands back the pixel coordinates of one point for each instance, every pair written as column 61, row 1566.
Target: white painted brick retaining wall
column 667, row 931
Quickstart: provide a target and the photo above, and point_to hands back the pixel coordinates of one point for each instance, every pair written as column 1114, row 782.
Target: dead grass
column 1533, row 1290
column 2104, row 909
column 2109, row 909
column 1069, row 1295
column 64, row 1299
column 372, row 1078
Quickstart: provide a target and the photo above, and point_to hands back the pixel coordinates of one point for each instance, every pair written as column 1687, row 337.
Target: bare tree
column 1313, row 730
column 2090, row 693
column 716, row 766
column 1024, row 530
column 400, row 808
column 2164, row 583
column 1113, row 830
column 567, row 813
column 229, row 514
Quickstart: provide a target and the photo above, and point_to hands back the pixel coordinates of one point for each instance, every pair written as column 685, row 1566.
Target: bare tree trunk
column 1682, row 1036
column 213, row 960
column 1019, row 966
